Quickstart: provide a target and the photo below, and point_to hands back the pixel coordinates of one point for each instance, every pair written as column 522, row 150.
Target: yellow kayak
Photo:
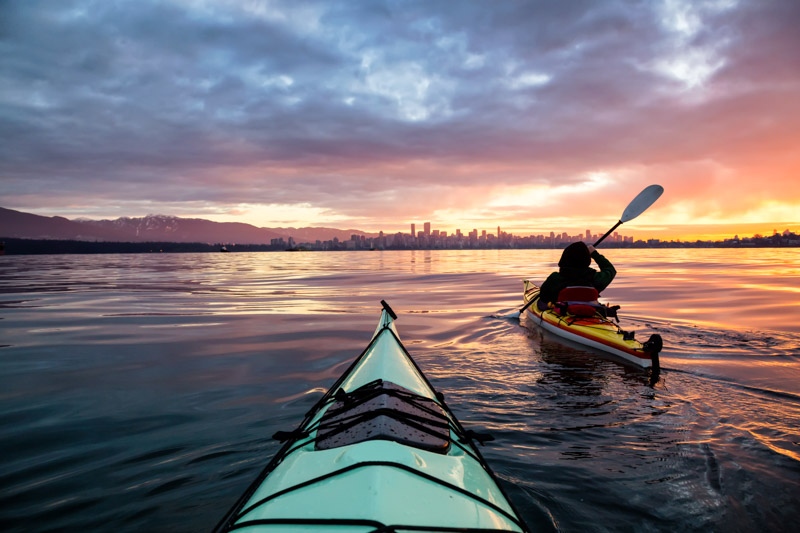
column 589, row 323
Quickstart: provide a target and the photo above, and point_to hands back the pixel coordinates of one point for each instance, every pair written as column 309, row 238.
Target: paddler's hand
column 591, row 248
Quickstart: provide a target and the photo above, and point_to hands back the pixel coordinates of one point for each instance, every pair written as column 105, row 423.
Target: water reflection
column 140, row 392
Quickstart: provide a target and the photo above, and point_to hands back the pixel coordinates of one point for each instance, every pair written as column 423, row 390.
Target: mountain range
column 155, row 228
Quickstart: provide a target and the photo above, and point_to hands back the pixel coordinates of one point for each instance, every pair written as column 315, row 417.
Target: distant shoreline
column 17, row 246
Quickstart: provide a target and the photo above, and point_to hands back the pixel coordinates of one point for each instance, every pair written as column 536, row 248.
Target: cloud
column 379, row 111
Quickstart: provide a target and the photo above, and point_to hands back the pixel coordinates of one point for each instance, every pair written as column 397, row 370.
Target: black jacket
column 570, row 277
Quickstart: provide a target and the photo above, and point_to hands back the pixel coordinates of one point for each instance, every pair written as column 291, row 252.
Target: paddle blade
column 639, row 205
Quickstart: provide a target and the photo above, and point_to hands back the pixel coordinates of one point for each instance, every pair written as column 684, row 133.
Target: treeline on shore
column 52, row 246
column 16, row 246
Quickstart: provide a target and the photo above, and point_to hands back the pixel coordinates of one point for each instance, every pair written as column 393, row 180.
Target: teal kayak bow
column 380, row 451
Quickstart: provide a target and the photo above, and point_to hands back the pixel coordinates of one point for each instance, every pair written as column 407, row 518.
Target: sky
column 534, row 116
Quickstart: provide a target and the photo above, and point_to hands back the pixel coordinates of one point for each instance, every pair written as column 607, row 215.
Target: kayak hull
column 595, row 332
column 423, row 473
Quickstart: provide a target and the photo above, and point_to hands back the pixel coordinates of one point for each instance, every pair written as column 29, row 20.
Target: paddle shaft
column 601, row 239
column 524, row 307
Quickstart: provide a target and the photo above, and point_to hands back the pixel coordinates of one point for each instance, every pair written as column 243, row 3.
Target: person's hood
column 576, row 255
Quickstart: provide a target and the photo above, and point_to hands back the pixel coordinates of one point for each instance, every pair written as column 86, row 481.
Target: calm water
column 140, row 391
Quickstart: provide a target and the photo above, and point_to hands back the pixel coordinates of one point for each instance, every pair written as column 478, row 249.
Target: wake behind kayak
column 380, row 451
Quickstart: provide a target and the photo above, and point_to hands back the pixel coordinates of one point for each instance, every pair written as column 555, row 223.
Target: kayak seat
column 382, row 410
column 578, row 294
column 579, row 302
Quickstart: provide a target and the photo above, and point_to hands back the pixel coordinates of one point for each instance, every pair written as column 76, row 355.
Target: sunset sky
column 534, row 116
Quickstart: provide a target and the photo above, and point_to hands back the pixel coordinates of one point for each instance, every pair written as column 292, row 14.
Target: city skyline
column 428, row 232
column 27, row 233
column 20, row 220
column 458, row 240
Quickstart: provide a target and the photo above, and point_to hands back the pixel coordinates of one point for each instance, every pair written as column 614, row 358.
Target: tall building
column 413, row 230
column 427, row 227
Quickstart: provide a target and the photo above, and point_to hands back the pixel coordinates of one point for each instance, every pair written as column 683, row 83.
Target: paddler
column 574, row 270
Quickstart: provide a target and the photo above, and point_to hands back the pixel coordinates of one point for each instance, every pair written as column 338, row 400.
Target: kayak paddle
column 638, row 205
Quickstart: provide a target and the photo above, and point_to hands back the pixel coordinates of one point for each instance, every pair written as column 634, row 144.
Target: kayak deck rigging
column 383, row 410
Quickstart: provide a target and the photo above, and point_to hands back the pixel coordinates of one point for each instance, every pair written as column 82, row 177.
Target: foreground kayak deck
column 381, row 451
column 596, row 332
